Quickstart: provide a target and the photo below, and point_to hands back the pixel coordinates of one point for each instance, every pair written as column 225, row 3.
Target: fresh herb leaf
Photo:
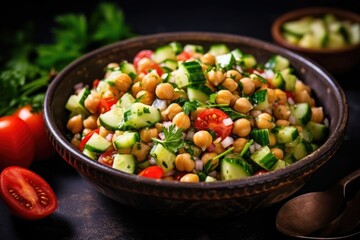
column 172, row 139
column 190, row 106
column 233, row 114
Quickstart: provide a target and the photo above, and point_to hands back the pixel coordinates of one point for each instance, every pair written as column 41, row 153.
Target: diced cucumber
column 198, row 92
column 113, row 119
column 301, row 150
column 75, row 103
column 189, row 73
column 219, row 49
column 210, row 179
column 126, row 140
column 248, row 61
column 97, row 144
column 163, row 157
column 280, row 164
column 298, row 27
column 163, row 53
column 177, row 47
column 261, row 136
column 237, row 53
column 277, row 63
column 125, row 101
column 140, row 115
column 290, row 79
column 289, row 158
column 128, row 68
column 234, row 168
column 355, row 33
column 285, row 134
column 260, row 100
column 320, row 33
column 336, row 40
column 225, row 61
column 278, row 81
column 319, row 131
column 291, row 38
column 301, row 112
column 308, row 41
column 89, row 153
column 264, row 158
column 194, row 48
column 125, row 163
column 169, row 65
column 143, row 164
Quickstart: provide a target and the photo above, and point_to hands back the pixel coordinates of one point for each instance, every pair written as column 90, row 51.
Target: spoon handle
column 347, row 182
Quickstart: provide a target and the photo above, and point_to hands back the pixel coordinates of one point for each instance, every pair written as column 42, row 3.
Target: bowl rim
column 306, row 11
column 258, row 180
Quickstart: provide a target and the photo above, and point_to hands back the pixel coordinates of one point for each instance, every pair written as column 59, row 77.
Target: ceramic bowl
column 217, row 199
column 336, row 61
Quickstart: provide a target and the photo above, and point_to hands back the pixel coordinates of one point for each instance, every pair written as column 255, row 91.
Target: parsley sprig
column 172, row 139
column 29, row 67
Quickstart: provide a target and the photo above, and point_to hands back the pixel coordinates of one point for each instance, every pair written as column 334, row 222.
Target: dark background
column 83, row 212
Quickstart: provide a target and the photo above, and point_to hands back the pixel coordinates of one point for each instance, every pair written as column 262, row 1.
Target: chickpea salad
column 186, row 113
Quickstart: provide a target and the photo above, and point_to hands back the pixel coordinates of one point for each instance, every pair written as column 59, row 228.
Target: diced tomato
column 107, row 158
column 86, row 139
column 152, row 172
column 95, row 83
column 105, row 104
column 185, row 55
column 213, row 119
column 289, row 94
column 142, row 54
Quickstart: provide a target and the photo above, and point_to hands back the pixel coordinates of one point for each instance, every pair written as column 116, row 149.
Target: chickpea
column 239, row 144
column 172, row 110
column 123, row 82
column 218, row 148
column 150, row 81
column 281, row 112
column 182, row 120
column 317, row 114
column 135, row 89
column 282, row 122
column 140, row 150
column 206, row 157
column 104, row 132
column 85, row 131
column 242, row 105
column 75, row 124
column 111, row 92
column 146, row 134
column 190, row 177
column 280, row 96
column 248, row 86
column 230, row 84
column 143, row 64
column 272, row 139
column 271, row 95
column 264, row 121
column 195, row 114
column 215, row 77
column 183, row 162
column 90, row 122
column 202, row 139
column 224, row 97
column 164, row 91
column 146, row 97
column 242, row 127
column 277, row 152
column 208, row 59
column 233, row 74
column 92, row 102
column 300, row 86
column 75, row 141
column 302, row 97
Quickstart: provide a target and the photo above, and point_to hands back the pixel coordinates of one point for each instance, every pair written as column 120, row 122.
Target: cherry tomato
column 107, row 158
column 35, row 121
column 152, row 172
column 105, row 104
column 17, row 146
column 86, row 138
column 213, row 119
column 27, row 194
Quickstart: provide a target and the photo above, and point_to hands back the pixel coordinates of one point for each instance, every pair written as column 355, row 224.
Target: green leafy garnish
column 172, row 139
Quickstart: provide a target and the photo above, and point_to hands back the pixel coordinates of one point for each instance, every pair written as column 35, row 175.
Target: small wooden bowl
column 336, row 61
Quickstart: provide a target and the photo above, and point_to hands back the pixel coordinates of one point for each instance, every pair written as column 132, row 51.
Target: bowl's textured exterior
column 336, row 61
column 216, row 199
